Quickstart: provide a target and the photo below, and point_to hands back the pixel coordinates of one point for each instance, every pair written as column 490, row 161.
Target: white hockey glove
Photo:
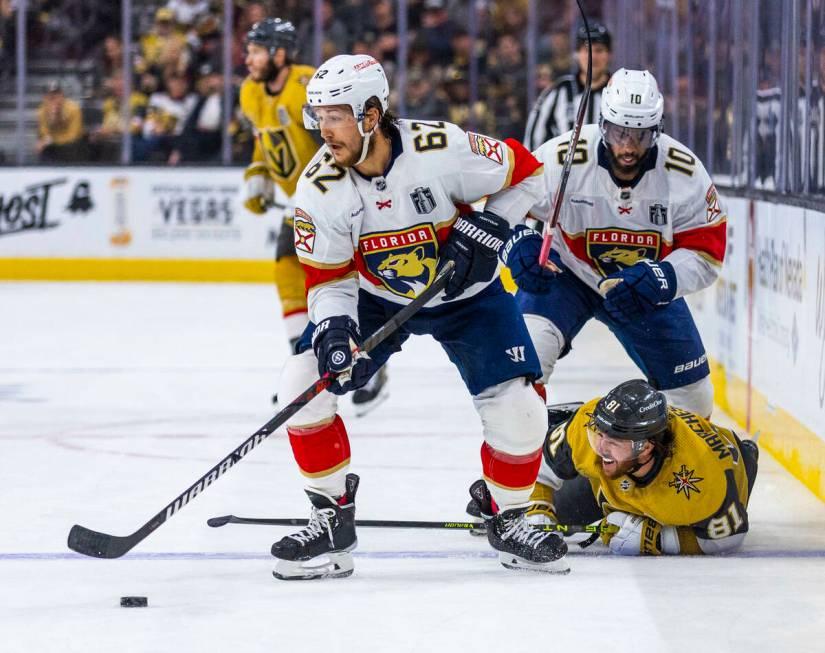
column 640, row 535
column 259, row 191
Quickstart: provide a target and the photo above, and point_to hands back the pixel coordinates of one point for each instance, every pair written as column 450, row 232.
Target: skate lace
column 521, row 531
column 319, row 521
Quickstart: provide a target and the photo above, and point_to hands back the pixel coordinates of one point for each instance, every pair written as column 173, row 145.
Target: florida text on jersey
column 671, row 211
column 281, row 142
column 384, row 233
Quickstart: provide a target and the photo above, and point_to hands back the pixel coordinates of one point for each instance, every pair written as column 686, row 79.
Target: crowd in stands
column 177, row 71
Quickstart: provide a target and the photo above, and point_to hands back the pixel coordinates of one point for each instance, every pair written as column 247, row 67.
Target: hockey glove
column 640, row 535
column 333, row 342
column 259, row 192
column 641, row 289
column 521, row 254
column 473, row 245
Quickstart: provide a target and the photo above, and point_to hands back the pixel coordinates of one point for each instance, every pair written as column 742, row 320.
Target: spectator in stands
column 161, row 45
column 60, row 127
column 166, row 116
column 336, row 35
column 422, row 100
column 186, row 12
column 437, row 31
column 106, row 140
column 555, row 110
column 200, row 138
column 456, row 88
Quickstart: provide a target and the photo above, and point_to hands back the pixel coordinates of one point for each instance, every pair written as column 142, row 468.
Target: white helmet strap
column 367, row 136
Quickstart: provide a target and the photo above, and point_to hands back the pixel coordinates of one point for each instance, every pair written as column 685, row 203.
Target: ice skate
column 523, row 546
column 321, row 549
column 372, row 394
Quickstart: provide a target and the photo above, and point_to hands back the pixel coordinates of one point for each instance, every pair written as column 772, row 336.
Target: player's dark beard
column 627, row 170
column 271, row 71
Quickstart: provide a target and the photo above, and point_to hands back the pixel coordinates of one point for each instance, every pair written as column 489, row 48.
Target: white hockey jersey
column 384, row 234
column 672, row 213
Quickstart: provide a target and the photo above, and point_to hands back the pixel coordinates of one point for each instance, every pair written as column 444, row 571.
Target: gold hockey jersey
column 281, row 142
column 702, row 488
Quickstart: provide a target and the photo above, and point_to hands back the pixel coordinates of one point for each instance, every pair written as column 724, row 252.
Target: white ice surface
column 115, row 397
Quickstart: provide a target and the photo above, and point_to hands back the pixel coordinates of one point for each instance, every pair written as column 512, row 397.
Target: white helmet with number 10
column 632, row 107
column 349, row 79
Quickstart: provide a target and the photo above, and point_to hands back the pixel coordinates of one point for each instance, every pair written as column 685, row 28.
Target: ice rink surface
column 114, row 398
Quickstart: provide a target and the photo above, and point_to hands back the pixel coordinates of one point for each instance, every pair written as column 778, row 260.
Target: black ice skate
column 322, row 549
column 373, row 393
column 480, row 506
column 523, row 546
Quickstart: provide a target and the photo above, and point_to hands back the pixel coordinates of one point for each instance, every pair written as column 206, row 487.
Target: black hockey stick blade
column 102, row 545
column 98, row 545
column 217, row 522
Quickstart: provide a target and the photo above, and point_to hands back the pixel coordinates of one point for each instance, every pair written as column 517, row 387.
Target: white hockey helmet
column 349, row 79
column 632, row 99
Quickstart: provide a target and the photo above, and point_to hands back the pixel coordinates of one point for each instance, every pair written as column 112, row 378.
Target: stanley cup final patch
column 658, row 214
column 304, row 231
column 423, row 200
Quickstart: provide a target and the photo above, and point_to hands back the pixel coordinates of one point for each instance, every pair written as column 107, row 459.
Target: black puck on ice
column 134, row 602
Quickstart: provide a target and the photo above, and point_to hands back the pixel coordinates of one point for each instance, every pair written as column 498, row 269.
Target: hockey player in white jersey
column 382, row 204
column 641, row 227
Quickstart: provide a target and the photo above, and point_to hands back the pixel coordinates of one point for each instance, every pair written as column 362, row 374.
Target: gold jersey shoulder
column 704, row 474
column 281, row 141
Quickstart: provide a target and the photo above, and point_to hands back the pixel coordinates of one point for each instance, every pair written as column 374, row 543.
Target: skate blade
column 339, row 565
column 510, row 561
column 368, row 406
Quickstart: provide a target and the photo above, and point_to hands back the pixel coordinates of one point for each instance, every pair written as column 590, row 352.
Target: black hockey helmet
column 598, row 34
column 274, row 33
column 633, row 410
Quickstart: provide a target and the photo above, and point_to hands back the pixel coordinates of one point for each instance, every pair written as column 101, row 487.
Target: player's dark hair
column 663, row 444
column 388, row 123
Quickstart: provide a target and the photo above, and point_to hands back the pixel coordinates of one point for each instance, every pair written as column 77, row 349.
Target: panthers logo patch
column 403, row 261
column 612, row 250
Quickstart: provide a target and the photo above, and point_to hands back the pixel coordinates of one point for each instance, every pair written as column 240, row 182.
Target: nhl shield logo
column 658, row 214
column 423, row 200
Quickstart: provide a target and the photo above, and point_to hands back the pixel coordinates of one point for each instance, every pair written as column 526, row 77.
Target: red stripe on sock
column 320, row 449
column 541, row 391
column 509, row 471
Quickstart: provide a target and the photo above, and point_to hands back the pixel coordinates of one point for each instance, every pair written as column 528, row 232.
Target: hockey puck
column 134, row 602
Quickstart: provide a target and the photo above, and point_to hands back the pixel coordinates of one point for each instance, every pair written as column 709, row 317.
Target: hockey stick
column 217, row 522
column 549, row 226
column 102, row 545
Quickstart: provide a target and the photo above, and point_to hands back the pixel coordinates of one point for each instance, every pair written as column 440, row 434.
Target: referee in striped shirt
column 555, row 110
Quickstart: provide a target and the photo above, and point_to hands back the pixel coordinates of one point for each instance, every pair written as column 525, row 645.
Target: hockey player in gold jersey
column 272, row 98
column 669, row 480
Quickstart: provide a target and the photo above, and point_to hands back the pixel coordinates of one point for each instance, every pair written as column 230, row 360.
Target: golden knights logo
column 423, row 200
column 612, row 250
column 280, row 157
column 404, row 261
column 685, row 482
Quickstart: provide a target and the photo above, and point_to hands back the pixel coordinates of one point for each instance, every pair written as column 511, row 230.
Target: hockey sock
column 509, row 477
column 323, row 455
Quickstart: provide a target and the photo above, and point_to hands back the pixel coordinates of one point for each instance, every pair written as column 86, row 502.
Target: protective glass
column 637, row 136
column 335, row 117
column 613, row 449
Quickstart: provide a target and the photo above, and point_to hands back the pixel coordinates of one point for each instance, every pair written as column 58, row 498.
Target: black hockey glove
column 521, row 255
column 333, row 342
column 473, row 245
